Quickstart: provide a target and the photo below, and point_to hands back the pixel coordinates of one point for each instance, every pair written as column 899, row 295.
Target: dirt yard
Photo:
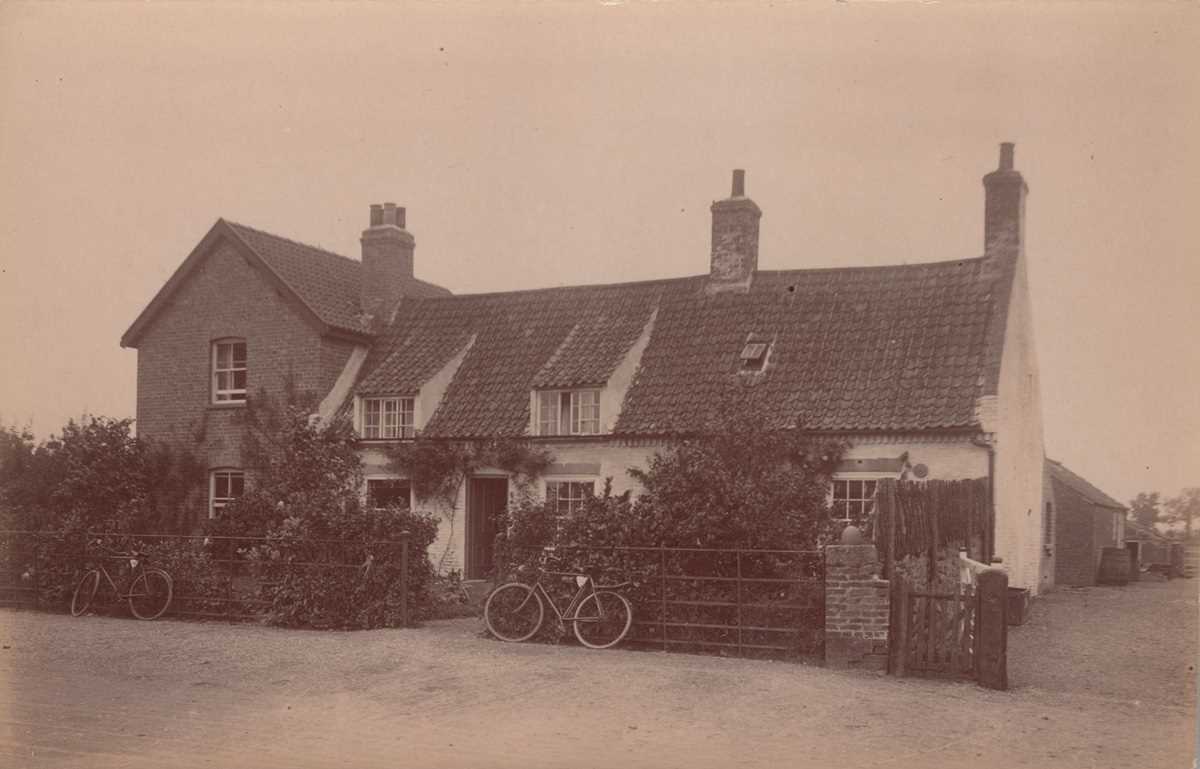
column 1101, row 678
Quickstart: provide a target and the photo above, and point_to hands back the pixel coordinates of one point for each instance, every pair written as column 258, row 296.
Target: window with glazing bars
column 229, row 371
column 853, row 500
column 568, row 412
column 387, row 418
column 567, row 497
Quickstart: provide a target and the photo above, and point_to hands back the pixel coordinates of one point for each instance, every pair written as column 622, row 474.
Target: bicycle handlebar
column 99, row 545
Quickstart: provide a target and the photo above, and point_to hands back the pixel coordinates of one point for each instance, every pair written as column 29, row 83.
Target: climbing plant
column 437, row 469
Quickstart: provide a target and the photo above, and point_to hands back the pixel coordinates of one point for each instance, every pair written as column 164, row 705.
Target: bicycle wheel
column 513, row 612
column 150, row 594
column 85, row 591
column 602, row 619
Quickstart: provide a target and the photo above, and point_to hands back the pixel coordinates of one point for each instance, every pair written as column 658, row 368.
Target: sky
column 561, row 143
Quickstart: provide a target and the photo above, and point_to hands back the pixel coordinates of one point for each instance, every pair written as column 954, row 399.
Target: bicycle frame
column 581, row 593
column 133, row 572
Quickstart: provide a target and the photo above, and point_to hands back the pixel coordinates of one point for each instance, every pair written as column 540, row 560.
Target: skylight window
column 754, row 355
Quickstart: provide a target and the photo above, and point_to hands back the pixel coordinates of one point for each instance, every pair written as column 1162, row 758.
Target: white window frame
column 567, row 412
column 403, row 425
column 228, row 395
column 573, row 503
column 849, row 478
column 215, row 503
column 366, row 489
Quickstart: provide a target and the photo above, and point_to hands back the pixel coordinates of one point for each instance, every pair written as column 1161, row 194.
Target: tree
column 1144, row 509
column 93, row 475
column 1184, row 508
column 305, row 523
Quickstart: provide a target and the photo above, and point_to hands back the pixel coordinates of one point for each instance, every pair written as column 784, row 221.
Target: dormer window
column 229, row 371
column 754, row 353
column 568, row 412
column 387, row 418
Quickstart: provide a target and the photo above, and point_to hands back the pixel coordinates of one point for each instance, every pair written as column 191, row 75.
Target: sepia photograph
column 599, row 383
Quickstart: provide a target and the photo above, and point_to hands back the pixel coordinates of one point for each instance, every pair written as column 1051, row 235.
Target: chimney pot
column 1006, row 156
column 734, row 239
column 1004, row 206
column 387, row 260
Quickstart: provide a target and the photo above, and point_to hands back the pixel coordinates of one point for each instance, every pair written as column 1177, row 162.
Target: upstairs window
column 224, row 486
column 567, row 497
column 387, row 418
column 389, row 492
column 229, row 371
column 853, row 500
column 568, row 412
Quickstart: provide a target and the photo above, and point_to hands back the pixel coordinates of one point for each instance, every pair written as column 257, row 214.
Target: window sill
column 225, row 406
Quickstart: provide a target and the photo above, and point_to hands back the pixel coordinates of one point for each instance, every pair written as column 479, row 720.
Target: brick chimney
column 1004, row 206
column 387, row 258
column 734, row 239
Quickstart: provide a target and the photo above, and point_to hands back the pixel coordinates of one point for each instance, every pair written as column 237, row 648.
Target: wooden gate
column 958, row 634
column 934, row 634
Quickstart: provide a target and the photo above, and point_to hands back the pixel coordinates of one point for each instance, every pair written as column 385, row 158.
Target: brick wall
column 856, row 608
column 224, row 297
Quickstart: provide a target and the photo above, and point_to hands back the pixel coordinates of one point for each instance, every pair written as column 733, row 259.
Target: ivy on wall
column 437, row 469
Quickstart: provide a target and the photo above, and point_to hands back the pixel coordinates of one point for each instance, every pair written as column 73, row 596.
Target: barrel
column 1114, row 566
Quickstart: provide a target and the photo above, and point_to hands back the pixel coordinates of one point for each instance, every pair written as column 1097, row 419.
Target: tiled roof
column 1059, row 472
column 522, row 340
column 327, row 282
column 880, row 348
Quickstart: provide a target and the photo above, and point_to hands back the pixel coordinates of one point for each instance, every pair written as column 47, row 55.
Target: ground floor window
column 389, row 492
column 853, row 500
column 224, row 486
column 567, row 497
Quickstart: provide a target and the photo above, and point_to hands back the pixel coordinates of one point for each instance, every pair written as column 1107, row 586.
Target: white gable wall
column 1020, row 453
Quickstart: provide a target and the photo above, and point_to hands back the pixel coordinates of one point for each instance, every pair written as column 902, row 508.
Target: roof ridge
column 290, row 240
column 580, row 286
column 867, row 267
column 685, row 278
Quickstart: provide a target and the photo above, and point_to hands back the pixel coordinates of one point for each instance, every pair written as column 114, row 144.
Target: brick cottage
column 927, row 370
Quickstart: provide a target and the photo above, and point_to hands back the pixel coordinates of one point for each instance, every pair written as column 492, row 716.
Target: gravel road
column 1101, row 678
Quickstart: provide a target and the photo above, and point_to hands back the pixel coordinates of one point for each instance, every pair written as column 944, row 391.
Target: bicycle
column 600, row 617
column 150, row 590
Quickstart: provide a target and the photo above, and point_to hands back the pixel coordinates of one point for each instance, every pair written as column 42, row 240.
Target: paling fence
column 921, row 519
column 941, row 625
column 752, row 603
column 231, row 578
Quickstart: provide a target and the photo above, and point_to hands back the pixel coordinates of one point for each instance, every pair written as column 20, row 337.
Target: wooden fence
column 921, row 518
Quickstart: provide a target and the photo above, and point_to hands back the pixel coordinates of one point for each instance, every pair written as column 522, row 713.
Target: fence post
column 662, row 591
column 739, row 602
column 899, row 630
column 991, row 629
column 888, row 500
column 404, row 536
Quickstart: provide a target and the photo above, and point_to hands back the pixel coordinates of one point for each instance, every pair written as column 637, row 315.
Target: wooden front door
column 486, row 500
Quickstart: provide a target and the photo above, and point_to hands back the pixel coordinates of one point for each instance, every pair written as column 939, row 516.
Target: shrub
column 327, row 560
column 741, row 486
